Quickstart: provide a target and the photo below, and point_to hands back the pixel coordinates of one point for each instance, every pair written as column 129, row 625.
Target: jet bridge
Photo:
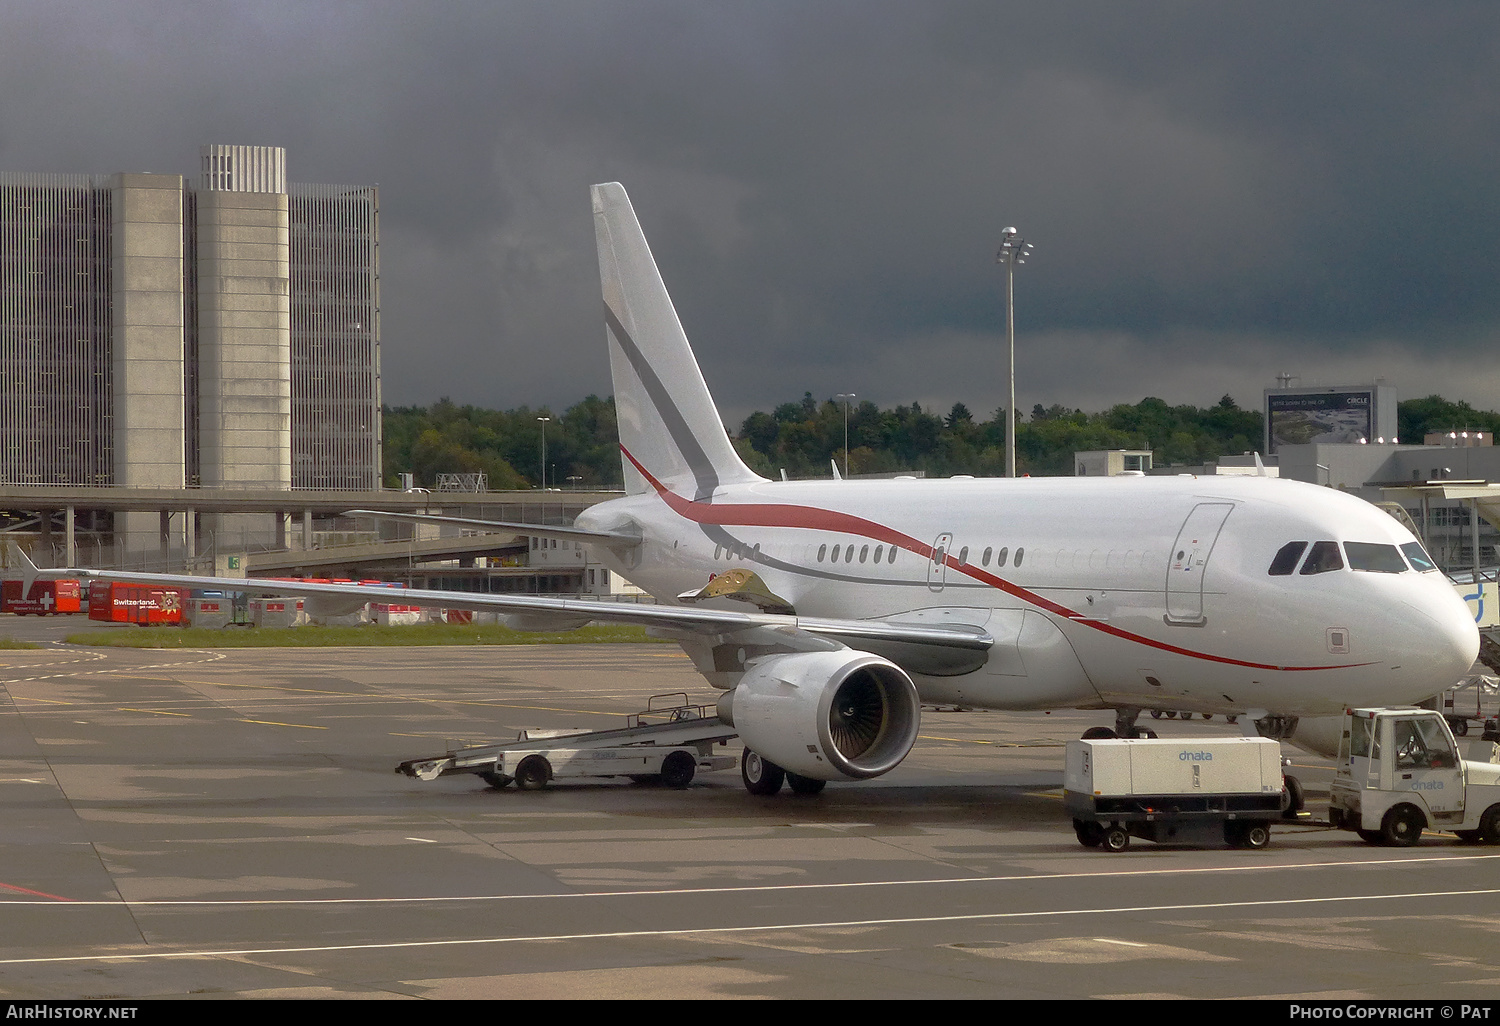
column 665, row 743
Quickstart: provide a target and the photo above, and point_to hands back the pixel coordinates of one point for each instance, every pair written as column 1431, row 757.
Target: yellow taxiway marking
column 1002, row 744
column 381, row 696
column 155, row 712
column 277, row 723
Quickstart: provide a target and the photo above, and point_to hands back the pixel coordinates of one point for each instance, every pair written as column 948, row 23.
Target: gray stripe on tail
column 704, row 473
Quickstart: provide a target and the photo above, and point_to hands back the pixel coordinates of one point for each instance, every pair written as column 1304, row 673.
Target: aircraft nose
column 1449, row 643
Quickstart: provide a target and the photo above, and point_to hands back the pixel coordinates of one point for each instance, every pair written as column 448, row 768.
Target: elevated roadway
column 45, row 501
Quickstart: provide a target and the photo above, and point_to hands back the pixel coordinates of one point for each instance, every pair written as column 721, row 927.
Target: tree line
column 801, row 437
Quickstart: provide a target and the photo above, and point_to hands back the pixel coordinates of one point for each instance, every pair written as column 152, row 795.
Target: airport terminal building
column 162, row 332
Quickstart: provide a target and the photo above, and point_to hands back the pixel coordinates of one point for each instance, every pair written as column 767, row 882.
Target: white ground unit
column 1173, row 789
column 670, row 750
column 1400, row 773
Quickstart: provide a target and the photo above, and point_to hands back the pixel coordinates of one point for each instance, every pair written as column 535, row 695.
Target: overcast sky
column 1217, row 192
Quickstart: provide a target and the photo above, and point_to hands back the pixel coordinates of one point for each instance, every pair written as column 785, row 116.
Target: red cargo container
column 55, row 596
column 134, row 603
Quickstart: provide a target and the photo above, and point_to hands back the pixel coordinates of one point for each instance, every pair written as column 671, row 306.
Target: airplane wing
column 937, row 649
column 612, row 539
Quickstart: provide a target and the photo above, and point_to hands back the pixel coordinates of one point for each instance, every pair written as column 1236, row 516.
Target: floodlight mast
column 1013, row 250
column 846, row 398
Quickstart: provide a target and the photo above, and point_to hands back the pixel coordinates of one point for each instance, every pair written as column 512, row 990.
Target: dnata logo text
column 1195, row 757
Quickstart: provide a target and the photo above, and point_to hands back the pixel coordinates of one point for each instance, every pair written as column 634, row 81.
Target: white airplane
column 829, row 612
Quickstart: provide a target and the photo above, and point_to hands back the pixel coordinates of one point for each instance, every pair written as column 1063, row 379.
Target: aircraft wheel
column 1208, row 716
column 805, row 785
column 1295, row 800
column 1171, row 714
column 1255, row 834
column 1231, row 719
column 1115, row 838
column 495, row 779
column 1460, row 726
column 1090, row 834
column 1156, row 714
column 677, row 769
column 1489, row 825
column 1098, row 734
column 1402, row 826
column 761, row 776
column 533, row 773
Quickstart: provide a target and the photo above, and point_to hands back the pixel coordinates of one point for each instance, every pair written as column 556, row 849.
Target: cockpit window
column 1286, row 559
column 1375, row 558
column 1417, row 556
column 1323, row 558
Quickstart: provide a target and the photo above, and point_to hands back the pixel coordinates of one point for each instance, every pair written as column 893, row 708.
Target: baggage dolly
column 665, row 743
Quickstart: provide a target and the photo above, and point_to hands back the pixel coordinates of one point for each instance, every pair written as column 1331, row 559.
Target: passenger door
column 1189, row 558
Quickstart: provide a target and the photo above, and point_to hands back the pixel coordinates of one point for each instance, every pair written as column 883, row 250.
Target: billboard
column 1298, row 418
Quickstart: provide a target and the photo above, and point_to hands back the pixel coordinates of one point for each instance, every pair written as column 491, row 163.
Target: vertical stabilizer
column 668, row 422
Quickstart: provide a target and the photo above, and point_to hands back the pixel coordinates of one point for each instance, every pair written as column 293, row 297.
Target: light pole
column 1013, row 250
column 844, row 398
column 544, row 421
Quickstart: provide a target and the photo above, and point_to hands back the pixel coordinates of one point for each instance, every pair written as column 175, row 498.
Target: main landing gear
column 1124, row 727
column 763, row 777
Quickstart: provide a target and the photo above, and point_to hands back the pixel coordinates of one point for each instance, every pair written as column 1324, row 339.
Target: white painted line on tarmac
column 837, row 924
column 764, row 889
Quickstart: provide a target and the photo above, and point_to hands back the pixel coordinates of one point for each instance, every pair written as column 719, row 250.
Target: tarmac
column 227, row 824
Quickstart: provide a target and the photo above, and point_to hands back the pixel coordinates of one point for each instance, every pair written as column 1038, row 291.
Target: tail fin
column 668, row 423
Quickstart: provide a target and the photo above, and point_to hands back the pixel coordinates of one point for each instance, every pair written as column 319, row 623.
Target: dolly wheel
column 533, row 773
column 1256, row 834
column 677, row 769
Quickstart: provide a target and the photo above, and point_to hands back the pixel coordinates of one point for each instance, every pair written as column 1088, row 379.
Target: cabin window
column 963, row 555
column 1374, row 558
column 891, row 558
column 1286, row 558
column 1019, row 554
column 718, row 550
column 879, row 550
column 755, row 552
column 835, row 557
column 985, row 559
column 1323, row 558
column 849, row 554
column 1000, row 559
column 822, row 551
column 864, row 550
column 1417, row 556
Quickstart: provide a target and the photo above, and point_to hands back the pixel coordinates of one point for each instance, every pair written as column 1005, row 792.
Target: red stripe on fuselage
column 812, row 518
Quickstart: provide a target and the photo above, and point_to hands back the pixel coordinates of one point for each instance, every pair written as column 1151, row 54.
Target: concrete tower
column 244, row 318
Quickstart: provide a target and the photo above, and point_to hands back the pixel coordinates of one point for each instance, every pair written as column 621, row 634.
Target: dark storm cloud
column 1217, row 191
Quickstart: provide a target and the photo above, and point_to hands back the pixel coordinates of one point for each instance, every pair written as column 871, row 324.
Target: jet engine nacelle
column 1319, row 735
column 838, row 715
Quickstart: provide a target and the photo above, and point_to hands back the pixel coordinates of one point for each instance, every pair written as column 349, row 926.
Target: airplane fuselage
column 1121, row 592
